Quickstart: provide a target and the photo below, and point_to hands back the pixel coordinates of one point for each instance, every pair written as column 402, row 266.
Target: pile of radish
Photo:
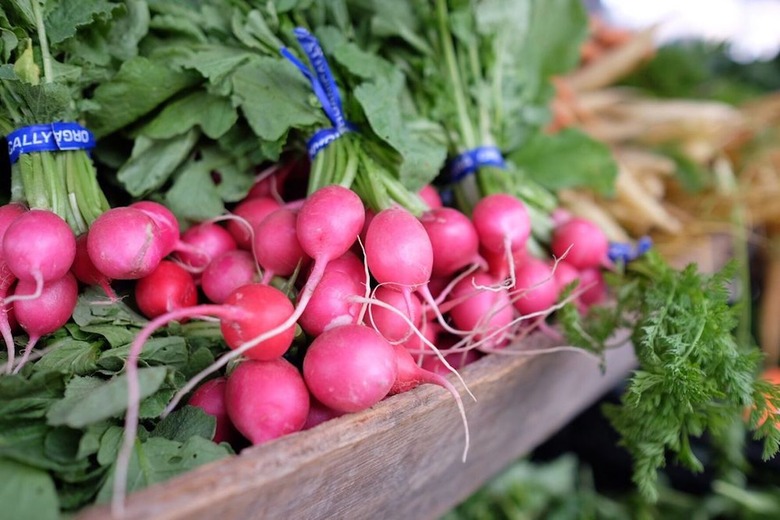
column 385, row 301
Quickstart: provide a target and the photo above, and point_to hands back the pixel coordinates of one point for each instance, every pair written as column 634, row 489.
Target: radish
column 349, row 263
column 125, row 244
column 86, row 272
column 594, row 288
column 252, row 212
column 501, row 265
column 535, row 290
column 350, row 367
column 168, row 225
column 270, row 310
column 166, row 221
column 167, row 288
column 46, row 313
column 8, row 213
column 266, row 399
column 268, row 181
column 430, row 196
column 38, row 246
column 210, row 397
column 276, row 245
column 206, row 241
column 445, row 227
column 332, row 302
column 456, row 359
column 502, row 223
column 484, row 312
column 391, row 325
column 410, row 375
column 582, row 242
column 7, row 280
column 319, row 413
column 228, row 272
column 564, row 274
column 398, row 250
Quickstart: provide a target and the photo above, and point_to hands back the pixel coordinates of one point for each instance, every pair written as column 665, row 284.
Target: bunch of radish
column 385, row 300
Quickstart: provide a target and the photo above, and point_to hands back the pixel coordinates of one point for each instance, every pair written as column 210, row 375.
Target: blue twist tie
column 324, row 87
column 51, row 137
column 622, row 252
column 468, row 162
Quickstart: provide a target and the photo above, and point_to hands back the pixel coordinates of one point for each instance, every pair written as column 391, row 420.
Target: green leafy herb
column 693, row 376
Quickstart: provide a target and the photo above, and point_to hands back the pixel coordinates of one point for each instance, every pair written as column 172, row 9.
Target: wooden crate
column 402, row 458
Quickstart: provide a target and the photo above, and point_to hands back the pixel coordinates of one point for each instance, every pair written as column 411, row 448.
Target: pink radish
column 535, row 290
column 332, row 302
column 498, row 264
column 564, row 274
column 167, row 288
column 350, row 367
column 349, row 264
column 453, row 238
column 86, row 272
column 270, row 308
column 38, row 246
column 228, row 272
column 319, row 413
column 398, row 250
column 124, row 243
column 252, row 211
column 7, row 280
column 206, row 242
column 210, row 397
column 593, row 286
column 8, row 213
column 266, row 399
column 276, row 245
column 168, row 225
column 502, row 223
column 46, row 313
column 166, row 222
column 390, row 324
column 484, row 312
column 456, row 359
column 430, row 196
column 582, row 242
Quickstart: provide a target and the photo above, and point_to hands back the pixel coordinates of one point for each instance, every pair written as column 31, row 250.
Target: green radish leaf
column 158, row 459
column 274, row 97
column 69, row 356
column 27, row 492
column 139, row 87
column 212, row 114
column 568, row 159
column 153, row 161
column 187, row 422
column 64, row 19
column 169, row 351
column 107, row 400
column 22, row 397
column 422, row 159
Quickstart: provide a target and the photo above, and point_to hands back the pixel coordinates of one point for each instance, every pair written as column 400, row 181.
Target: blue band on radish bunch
column 50, row 137
column 624, row 253
column 471, row 160
column 325, row 89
